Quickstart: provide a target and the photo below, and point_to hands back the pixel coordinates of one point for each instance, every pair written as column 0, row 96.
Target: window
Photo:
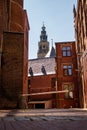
column 44, row 47
column 53, row 82
column 66, row 51
column 67, row 70
column 70, row 88
column 43, row 70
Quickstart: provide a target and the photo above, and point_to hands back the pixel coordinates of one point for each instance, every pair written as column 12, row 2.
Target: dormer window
column 43, row 70
column 31, row 71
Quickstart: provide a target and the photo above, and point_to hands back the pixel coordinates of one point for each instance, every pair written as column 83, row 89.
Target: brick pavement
column 50, row 119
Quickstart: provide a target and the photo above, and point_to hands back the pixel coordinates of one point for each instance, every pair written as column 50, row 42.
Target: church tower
column 43, row 45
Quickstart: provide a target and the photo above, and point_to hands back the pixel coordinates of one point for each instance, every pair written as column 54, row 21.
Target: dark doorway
column 39, row 106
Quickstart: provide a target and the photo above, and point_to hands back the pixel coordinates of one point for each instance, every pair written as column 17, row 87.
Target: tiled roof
column 41, row 66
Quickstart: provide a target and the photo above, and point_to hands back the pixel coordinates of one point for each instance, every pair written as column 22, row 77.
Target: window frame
column 66, row 51
column 67, row 70
column 70, row 94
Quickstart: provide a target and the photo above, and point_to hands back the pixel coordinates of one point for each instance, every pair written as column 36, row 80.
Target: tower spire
column 43, row 36
column 43, row 45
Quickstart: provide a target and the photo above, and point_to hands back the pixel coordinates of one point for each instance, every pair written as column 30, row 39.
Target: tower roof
column 43, row 36
column 51, row 52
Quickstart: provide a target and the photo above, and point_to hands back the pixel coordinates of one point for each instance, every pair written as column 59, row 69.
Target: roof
column 43, row 66
column 51, row 52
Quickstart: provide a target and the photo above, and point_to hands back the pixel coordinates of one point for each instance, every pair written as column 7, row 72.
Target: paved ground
column 53, row 119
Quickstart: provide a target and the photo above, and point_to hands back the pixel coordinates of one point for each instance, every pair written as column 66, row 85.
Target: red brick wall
column 84, row 78
column 1, row 14
column 41, row 84
column 12, row 65
column 16, row 23
column 0, row 70
column 20, row 2
column 1, row 20
column 61, row 60
column 11, row 16
column 25, row 56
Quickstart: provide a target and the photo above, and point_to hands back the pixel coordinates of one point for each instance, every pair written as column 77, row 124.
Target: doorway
column 40, row 106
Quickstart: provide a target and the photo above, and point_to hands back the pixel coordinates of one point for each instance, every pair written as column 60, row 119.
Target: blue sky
column 57, row 16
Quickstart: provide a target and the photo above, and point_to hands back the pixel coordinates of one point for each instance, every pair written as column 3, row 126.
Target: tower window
column 44, row 47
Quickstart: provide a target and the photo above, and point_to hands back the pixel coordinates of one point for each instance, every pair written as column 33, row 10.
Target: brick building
column 54, row 76
column 66, row 65
column 13, row 53
column 42, row 79
column 80, row 24
column 42, row 75
column 51, row 74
